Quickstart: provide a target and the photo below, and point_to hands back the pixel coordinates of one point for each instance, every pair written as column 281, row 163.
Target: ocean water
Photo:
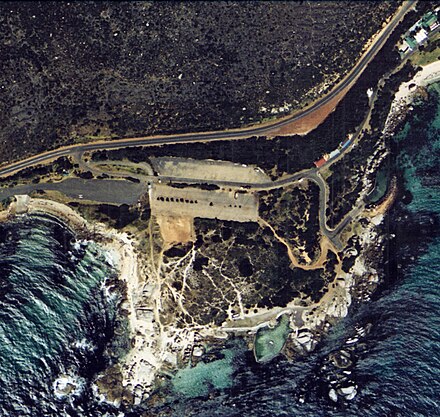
column 199, row 380
column 396, row 363
column 55, row 322
column 54, row 317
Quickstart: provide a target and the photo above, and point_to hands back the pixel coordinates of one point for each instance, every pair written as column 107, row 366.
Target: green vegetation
column 430, row 54
column 293, row 213
column 116, row 216
column 4, row 204
column 56, row 170
column 88, row 138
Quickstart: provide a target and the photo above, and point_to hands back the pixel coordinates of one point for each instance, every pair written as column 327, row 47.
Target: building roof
column 421, row 36
column 428, row 19
column 320, row 162
column 334, row 153
column 411, row 42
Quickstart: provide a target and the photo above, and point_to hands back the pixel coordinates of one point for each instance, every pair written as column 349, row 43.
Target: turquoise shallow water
column 396, row 371
column 269, row 342
column 55, row 319
column 199, row 380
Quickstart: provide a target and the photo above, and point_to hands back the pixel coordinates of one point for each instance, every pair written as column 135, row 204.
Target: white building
column 421, row 36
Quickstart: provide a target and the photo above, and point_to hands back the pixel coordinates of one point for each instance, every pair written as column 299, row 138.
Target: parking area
column 218, row 204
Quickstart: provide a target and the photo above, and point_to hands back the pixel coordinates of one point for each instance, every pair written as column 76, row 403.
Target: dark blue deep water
column 397, row 363
column 55, row 317
column 55, row 320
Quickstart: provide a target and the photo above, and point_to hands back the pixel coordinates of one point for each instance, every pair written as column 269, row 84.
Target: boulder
column 332, row 395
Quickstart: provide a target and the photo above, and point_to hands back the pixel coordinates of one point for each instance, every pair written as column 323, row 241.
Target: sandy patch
column 176, row 229
column 429, row 74
column 4, row 215
column 407, row 92
column 386, row 203
column 325, row 246
column 312, row 120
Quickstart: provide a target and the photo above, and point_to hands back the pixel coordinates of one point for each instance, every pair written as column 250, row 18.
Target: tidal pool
column 269, row 342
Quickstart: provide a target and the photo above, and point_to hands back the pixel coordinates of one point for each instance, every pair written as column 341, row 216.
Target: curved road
column 312, row 174
column 236, row 134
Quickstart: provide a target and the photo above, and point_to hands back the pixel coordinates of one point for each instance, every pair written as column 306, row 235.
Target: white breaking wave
column 84, row 344
column 108, row 290
column 68, row 385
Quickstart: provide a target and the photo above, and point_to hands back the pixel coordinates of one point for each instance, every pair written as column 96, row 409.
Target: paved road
column 119, row 191
column 311, row 174
column 104, row 191
column 236, row 134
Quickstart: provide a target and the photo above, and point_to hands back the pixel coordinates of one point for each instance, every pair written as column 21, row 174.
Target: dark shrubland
column 84, row 70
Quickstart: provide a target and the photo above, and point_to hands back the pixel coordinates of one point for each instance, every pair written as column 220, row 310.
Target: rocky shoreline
column 121, row 256
column 407, row 94
column 376, row 266
column 133, row 380
column 392, row 253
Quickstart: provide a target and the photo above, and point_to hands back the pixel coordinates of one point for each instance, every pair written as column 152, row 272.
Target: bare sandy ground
column 311, row 121
column 208, row 170
column 192, row 202
column 407, row 92
column 4, row 216
column 428, row 75
column 176, row 229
